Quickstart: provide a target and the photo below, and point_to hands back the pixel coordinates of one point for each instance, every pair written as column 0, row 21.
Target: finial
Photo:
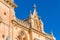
column 34, row 6
column 53, row 36
column 30, row 13
column 52, row 33
column 35, row 12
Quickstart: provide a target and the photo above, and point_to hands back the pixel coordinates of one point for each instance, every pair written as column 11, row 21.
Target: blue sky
column 48, row 10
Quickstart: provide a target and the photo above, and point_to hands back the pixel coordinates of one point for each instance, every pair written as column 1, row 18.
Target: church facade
column 12, row 28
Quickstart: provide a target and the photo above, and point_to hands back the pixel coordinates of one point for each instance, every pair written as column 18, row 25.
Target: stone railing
column 23, row 23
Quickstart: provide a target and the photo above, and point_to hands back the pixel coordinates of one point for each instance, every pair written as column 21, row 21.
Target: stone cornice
column 8, row 3
column 34, row 30
column 42, row 34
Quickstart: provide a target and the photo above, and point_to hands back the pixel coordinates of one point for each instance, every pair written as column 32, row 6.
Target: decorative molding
column 33, row 30
column 19, row 25
column 30, row 34
column 23, row 36
column 10, row 3
column 0, row 19
column 21, row 22
column 42, row 34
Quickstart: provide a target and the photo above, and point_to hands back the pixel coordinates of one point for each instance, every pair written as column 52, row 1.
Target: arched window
column 36, row 39
column 8, row 38
column 22, row 36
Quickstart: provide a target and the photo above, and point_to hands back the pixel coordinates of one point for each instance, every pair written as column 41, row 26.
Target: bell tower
column 7, row 10
column 6, row 15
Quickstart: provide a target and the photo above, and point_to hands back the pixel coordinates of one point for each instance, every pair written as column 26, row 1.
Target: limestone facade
column 12, row 28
